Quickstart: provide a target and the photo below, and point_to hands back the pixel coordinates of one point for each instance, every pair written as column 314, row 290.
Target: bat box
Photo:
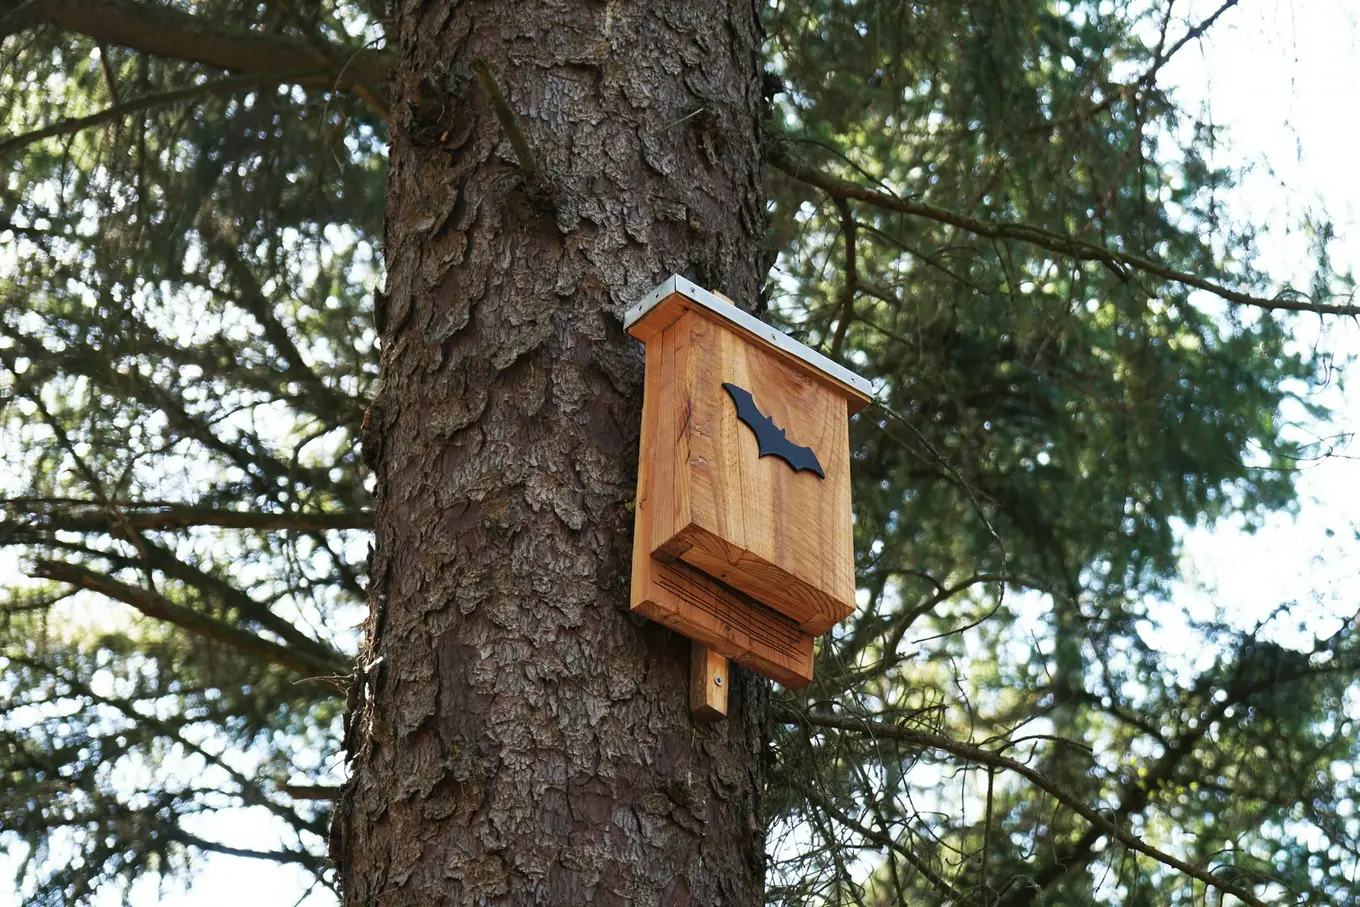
column 743, row 537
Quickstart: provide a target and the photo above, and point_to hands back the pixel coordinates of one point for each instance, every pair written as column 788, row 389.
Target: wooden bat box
column 743, row 538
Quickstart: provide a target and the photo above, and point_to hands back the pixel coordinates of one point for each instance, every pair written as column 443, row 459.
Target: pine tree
column 548, row 160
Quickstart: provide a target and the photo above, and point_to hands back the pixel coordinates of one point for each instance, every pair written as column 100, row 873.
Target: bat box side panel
column 649, row 477
column 779, row 535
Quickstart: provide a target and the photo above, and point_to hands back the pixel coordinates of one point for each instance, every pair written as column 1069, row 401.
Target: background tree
column 991, row 208
column 186, row 356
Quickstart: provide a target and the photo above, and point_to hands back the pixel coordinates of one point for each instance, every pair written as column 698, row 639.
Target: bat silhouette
column 772, row 441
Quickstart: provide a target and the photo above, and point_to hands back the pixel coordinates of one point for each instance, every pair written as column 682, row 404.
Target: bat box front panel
column 685, row 599
column 769, row 526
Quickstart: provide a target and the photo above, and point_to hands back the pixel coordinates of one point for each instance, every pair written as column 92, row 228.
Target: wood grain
column 739, row 552
column 708, row 682
column 679, row 596
column 726, row 621
column 751, row 522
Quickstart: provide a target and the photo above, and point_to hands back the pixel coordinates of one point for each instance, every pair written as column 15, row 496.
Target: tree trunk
column 517, row 737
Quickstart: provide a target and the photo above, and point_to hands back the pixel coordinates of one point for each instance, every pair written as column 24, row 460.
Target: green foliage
column 1047, row 427
column 185, row 348
column 186, row 352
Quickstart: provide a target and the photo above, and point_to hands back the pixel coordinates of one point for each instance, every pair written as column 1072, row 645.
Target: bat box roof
column 673, row 297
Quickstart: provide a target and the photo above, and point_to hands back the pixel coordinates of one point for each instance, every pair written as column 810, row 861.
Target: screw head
column 717, row 680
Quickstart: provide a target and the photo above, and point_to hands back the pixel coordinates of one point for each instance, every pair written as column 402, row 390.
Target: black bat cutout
column 772, row 441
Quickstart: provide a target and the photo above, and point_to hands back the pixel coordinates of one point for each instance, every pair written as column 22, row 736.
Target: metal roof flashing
column 785, row 344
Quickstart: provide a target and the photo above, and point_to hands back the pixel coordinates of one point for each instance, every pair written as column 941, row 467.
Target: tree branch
column 972, row 753
column 247, row 790
column 1193, row 33
column 311, row 791
column 118, row 111
column 1137, row 794
column 159, row 607
column 341, row 408
column 1161, row 56
column 167, row 32
column 81, row 515
column 528, row 165
column 247, row 608
column 851, row 287
column 1067, row 246
column 937, row 881
column 248, row 452
column 210, row 588
column 301, row 857
column 325, row 51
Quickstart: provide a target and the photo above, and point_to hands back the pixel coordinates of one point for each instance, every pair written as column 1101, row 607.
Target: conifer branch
column 159, row 607
column 533, row 176
column 1137, row 795
column 213, row 587
column 983, row 756
column 110, row 79
column 146, row 102
column 250, row 296
column 85, row 515
column 164, row 31
column 310, row 791
column 1067, row 246
column 327, row 54
column 937, row 881
column 851, row 286
column 209, row 587
column 17, row 15
column 1161, row 56
column 91, row 478
column 247, row 790
column 1193, row 33
column 299, row 857
column 248, row 451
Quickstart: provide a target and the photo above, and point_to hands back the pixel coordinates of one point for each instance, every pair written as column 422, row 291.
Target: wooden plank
column 813, row 610
column 741, row 553
column 645, row 503
column 680, row 597
column 675, row 437
column 733, row 625
column 708, row 682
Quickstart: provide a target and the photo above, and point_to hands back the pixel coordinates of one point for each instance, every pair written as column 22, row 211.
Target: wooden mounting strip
column 708, row 682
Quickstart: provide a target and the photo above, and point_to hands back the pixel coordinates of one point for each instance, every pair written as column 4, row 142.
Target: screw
column 717, row 680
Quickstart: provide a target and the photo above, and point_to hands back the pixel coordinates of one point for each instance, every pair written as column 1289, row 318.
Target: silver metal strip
column 721, row 307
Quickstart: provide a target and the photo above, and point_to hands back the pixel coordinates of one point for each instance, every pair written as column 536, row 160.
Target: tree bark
column 517, row 736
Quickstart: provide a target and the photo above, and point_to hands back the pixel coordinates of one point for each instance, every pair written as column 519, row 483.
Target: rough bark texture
column 518, row 737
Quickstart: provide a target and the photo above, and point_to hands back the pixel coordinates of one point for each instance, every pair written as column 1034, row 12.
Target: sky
column 1284, row 79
